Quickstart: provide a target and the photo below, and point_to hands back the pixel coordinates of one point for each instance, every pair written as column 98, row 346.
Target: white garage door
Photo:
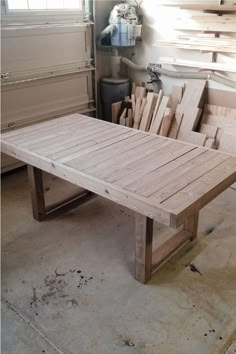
column 47, row 64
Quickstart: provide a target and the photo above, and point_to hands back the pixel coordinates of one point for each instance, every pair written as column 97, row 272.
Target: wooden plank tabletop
column 162, row 178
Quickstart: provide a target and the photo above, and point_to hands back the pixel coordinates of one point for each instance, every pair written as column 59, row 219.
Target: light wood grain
column 157, row 120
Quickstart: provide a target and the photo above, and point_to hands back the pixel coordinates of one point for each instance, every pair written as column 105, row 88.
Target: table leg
column 191, row 225
column 143, row 254
column 147, row 261
column 37, row 192
column 187, row 234
column 40, row 210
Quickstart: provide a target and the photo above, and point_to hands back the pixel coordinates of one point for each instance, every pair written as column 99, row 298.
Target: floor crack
column 34, row 328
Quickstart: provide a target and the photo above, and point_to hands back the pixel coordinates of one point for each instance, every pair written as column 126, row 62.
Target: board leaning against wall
column 48, row 65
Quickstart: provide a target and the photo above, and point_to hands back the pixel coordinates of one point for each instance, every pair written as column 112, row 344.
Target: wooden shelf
column 198, row 64
column 201, row 43
column 209, row 23
column 199, row 7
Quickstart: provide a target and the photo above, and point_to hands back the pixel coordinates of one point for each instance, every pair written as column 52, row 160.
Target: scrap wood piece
column 195, row 138
column 219, row 121
column 159, row 98
column 227, row 143
column 136, row 114
column 175, row 97
column 122, row 117
column 209, row 130
column 176, row 124
column 219, row 134
column 157, row 120
column 190, row 119
column 193, row 93
column 140, row 91
column 210, row 143
column 219, row 111
column 166, row 122
column 124, row 105
column 129, row 119
column 148, row 111
column 143, row 104
column 191, row 101
column 133, row 103
column 115, row 109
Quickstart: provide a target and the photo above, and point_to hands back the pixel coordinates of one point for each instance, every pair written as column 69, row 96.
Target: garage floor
column 68, row 286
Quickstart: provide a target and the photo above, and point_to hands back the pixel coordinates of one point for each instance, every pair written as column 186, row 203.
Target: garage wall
column 49, row 71
column 157, row 24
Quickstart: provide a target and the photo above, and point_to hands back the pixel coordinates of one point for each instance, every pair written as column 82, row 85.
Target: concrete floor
column 68, row 286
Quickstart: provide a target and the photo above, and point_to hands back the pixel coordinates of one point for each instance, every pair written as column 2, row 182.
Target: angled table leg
column 40, row 210
column 143, row 254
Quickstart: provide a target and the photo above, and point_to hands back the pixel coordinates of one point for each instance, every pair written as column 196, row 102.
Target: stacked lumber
column 184, row 115
column 219, row 125
column 138, row 110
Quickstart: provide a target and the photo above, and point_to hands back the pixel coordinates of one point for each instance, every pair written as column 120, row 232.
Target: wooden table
column 161, row 179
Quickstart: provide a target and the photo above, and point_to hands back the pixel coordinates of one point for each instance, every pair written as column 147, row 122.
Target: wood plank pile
column 184, row 115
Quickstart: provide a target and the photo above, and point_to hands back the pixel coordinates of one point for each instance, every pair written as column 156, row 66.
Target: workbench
column 161, row 179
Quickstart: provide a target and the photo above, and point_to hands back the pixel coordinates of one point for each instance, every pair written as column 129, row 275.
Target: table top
column 161, row 178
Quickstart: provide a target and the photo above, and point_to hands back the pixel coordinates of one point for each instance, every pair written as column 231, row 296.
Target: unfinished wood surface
column 133, row 103
column 191, row 225
column 157, row 120
column 122, row 117
column 193, row 93
column 129, row 119
column 163, row 252
column 188, row 175
column 41, row 211
column 143, row 250
column 209, row 186
column 148, row 111
column 227, row 143
column 160, row 177
column 166, row 122
column 37, row 192
column 143, row 104
column 137, row 116
column 219, row 97
column 159, row 98
column 140, row 91
column 189, row 107
column 195, row 138
column 175, row 97
column 220, row 111
column 219, row 121
column 102, row 164
column 115, row 109
column 210, row 143
column 175, row 126
column 209, row 130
